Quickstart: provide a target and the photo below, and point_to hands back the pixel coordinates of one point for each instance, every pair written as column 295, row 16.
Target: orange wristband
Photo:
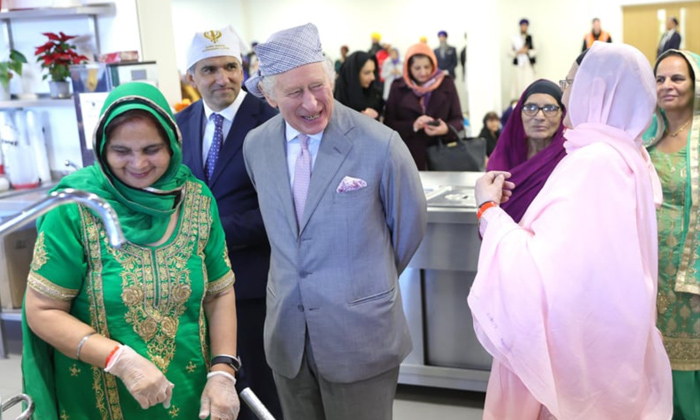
column 485, row 206
column 110, row 355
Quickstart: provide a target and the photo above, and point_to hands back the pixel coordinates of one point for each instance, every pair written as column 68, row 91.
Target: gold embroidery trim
column 46, row 287
column 40, row 256
column 104, row 385
column 684, row 281
column 217, row 286
column 684, row 353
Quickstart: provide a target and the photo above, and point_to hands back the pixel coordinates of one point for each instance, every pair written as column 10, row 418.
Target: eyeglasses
column 548, row 110
column 563, row 84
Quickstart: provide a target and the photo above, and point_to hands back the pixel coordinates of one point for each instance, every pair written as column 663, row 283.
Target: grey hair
column 267, row 83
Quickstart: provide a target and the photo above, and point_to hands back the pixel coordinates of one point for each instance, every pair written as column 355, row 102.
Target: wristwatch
column 233, row 361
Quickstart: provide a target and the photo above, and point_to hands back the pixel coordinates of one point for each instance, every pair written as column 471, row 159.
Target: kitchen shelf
column 46, row 12
column 33, row 103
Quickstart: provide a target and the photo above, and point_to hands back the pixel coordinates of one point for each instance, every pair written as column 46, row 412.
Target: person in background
column 392, row 69
column 564, row 301
column 531, row 144
column 345, row 211
column 446, row 55
column 375, row 47
column 355, row 85
column 423, row 103
column 671, row 39
column 463, row 59
column 213, row 131
column 596, row 34
column 490, row 131
column 508, row 112
column 343, row 54
column 523, row 52
column 674, row 140
column 380, row 58
column 130, row 332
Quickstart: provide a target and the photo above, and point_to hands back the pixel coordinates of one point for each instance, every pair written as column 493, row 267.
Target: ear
column 269, row 99
column 190, row 79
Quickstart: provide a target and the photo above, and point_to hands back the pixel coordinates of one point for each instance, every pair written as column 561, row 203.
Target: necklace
column 680, row 129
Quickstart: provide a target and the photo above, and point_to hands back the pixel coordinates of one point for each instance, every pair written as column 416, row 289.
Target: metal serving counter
column 435, row 286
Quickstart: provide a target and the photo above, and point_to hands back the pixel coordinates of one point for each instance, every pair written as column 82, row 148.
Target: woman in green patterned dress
column 128, row 333
column 674, row 140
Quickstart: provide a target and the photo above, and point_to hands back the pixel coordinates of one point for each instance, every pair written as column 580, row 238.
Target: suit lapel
column 276, row 146
column 331, row 154
column 195, row 132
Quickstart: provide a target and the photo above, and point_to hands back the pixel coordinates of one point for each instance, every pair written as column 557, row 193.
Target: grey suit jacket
column 337, row 274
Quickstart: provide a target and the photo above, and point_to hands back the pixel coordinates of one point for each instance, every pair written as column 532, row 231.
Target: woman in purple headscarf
column 531, row 144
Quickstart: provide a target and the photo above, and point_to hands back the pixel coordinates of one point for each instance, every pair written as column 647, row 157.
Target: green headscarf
column 144, row 213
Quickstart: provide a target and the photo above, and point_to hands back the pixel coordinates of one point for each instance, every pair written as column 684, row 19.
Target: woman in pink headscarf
column 565, row 300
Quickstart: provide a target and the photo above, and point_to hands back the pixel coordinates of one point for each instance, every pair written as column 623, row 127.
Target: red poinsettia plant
column 57, row 55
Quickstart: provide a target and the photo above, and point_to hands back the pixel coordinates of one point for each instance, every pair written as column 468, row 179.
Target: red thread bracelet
column 110, row 355
column 483, row 207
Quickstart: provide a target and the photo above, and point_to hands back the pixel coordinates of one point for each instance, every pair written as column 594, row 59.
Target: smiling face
column 218, row 79
column 367, row 74
column 136, row 152
column 304, row 96
column 541, row 126
column 674, row 87
column 421, row 68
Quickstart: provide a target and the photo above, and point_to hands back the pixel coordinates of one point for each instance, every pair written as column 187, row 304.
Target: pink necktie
column 302, row 176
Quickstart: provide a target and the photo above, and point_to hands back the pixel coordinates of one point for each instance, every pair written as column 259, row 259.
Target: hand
column 421, row 122
column 144, row 381
column 493, row 186
column 219, row 398
column 437, row 130
column 370, row 112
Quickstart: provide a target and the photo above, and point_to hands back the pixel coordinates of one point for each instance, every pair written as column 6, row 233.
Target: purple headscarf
column 510, row 153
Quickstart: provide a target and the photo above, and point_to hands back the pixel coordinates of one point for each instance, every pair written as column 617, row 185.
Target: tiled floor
column 412, row 403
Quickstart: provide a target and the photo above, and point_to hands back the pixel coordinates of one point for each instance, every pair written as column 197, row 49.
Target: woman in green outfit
column 674, row 140
column 129, row 333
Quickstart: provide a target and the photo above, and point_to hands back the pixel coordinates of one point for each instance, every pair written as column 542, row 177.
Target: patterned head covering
column 215, row 43
column 286, row 50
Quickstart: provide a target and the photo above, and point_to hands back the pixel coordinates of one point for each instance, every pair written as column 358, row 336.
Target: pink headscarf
column 566, row 301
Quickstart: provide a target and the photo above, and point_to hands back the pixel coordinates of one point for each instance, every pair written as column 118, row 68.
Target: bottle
column 20, row 160
column 37, row 141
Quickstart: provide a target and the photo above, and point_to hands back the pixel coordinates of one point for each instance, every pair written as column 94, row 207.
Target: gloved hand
column 143, row 379
column 219, row 398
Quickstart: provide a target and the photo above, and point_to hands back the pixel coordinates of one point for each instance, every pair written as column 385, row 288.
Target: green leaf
column 17, row 56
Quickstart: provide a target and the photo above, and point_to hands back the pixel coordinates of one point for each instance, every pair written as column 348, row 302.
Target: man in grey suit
column 344, row 210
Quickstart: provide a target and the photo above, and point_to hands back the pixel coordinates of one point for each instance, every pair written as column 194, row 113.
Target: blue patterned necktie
column 216, row 144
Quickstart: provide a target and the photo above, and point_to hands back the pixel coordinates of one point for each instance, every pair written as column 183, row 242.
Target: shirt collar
column 291, row 133
column 229, row 112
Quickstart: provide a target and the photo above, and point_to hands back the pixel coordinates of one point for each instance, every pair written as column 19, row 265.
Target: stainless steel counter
column 435, row 287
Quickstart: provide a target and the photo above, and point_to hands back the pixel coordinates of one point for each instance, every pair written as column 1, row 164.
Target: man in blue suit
column 671, row 40
column 213, row 130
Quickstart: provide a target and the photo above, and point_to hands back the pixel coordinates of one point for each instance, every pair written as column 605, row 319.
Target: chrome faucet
column 69, row 195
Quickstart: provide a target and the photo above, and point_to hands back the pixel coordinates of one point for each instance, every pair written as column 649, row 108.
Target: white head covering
column 215, row 43
column 286, row 50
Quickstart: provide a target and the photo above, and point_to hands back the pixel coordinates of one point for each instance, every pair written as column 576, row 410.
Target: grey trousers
column 310, row 397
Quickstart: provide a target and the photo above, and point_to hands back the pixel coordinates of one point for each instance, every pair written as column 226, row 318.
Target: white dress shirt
column 228, row 113
column 294, row 148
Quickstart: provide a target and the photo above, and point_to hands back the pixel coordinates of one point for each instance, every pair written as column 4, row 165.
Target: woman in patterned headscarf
column 128, row 333
column 674, row 140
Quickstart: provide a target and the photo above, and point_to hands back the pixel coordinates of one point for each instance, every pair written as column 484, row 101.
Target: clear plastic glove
column 219, row 398
column 143, row 379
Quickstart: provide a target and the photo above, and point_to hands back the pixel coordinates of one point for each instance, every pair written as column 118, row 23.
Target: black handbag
column 464, row 154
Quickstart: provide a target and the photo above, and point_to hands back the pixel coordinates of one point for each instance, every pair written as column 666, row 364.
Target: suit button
column 304, row 274
column 301, row 308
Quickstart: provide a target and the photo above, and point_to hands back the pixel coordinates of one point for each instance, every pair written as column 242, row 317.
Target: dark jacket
column 237, row 201
column 403, row 107
column 449, row 62
column 528, row 42
column 491, row 139
column 673, row 43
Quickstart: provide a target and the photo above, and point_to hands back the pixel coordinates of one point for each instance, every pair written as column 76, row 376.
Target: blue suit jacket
column 247, row 242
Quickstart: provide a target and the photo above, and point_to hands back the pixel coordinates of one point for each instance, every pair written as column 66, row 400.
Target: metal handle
column 256, row 406
column 17, row 399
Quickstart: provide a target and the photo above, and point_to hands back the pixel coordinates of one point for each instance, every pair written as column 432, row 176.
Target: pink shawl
column 565, row 301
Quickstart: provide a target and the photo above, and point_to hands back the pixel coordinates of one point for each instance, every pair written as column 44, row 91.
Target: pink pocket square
column 350, row 184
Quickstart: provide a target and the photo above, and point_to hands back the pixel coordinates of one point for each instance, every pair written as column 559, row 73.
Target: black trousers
column 256, row 373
